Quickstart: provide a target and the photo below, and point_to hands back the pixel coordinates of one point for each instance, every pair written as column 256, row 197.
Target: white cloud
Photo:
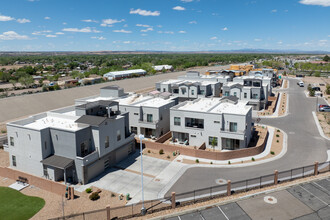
column 144, row 12
column 99, row 38
column 89, row 21
column 144, row 35
column 148, row 29
column 182, row 32
column 109, row 22
column 51, row 35
column 122, row 31
column 324, row 3
column 213, row 38
column 179, row 8
column 279, row 42
column 185, row 1
column 127, row 42
column 193, row 22
column 165, row 32
column 82, row 30
column 64, row 23
column 273, row 11
column 225, row 29
column 47, row 18
column 12, row 35
column 23, row 20
column 41, row 32
column 59, row 33
column 6, row 18
column 257, row 39
column 143, row 25
column 160, row 26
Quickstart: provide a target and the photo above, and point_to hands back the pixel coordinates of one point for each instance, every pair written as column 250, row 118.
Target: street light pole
column 143, row 209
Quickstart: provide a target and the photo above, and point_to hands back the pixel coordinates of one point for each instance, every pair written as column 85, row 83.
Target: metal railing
column 198, row 195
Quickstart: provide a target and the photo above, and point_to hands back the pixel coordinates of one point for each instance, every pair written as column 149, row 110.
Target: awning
column 58, row 162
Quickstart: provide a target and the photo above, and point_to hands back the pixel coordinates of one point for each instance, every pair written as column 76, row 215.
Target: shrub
column 252, row 159
column 113, row 195
column 197, row 161
column 277, row 141
column 272, row 153
column 94, row 196
column 168, row 157
column 174, row 154
column 278, row 130
column 277, row 135
column 229, row 162
column 128, row 197
column 3, row 131
column 161, row 151
column 211, row 162
column 149, row 151
column 88, row 190
column 317, row 74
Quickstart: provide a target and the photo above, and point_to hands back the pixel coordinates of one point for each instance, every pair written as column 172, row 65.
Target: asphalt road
column 305, row 146
column 21, row 106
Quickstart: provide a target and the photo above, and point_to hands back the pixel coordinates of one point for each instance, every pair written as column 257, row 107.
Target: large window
column 149, row 118
column 177, row 121
column 176, row 91
column 233, row 126
column 12, row 141
column 194, row 122
column 106, row 144
column 134, row 130
column 13, row 158
column 118, row 135
column 231, row 144
column 213, row 141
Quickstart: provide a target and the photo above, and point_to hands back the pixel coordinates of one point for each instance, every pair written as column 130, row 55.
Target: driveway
column 305, row 146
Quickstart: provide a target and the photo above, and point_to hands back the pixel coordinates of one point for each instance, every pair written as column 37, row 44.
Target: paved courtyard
column 307, row 201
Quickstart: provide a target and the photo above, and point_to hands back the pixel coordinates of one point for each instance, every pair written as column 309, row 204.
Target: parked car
column 301, row 83
column 315, row 88
column 321, row 106
column 325, row 109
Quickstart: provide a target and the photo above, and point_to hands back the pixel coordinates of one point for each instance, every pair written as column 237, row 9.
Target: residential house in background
column 160, row 68
column 266, row 73
column 220, row 123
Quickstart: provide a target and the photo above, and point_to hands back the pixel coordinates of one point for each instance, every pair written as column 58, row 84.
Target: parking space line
column 223, row 213
column 325, row 190
column 314, row 195
column 179, row 217
column 201, row 215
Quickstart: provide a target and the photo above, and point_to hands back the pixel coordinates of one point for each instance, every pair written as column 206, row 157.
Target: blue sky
column 167, row 25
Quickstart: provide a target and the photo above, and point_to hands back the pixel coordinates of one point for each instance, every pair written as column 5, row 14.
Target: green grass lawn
column 15, row 205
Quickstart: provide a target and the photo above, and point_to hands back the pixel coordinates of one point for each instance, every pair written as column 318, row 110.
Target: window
column 177, row 121
column 164, row 90
column 29, row 137
column 46, row 173
column 84, row 149
column 161, row 117
column 45, row 145
column 13, row 158
column 176, row 91
column 255, row 96
column 235, row 94
column 149, row 118
column 202, row 92
column 118, row 135
column 231, row 144
column 245, row 95
column 56, row 137
column 12, row 141
column 106, row 144
column 213, row 141
column 106, row 164
column 136, row 113
column 217, row 122
column 194, row 122
column 193, row 135
column 183, row 90
column 192, row 92
column 233, row 126
column 134, row 130
column 226, row 93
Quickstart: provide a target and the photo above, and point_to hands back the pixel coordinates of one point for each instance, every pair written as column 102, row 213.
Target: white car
column 301, row 84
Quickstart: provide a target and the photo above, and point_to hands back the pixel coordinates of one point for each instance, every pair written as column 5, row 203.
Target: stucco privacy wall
column 39, row 182
column 190, row 151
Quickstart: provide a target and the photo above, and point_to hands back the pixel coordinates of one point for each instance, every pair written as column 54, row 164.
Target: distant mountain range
column 247, row 50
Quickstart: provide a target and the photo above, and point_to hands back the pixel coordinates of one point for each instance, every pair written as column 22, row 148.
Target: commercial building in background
column 220, row 123
column 160, row 68
column 73, row 144
column 124, row 74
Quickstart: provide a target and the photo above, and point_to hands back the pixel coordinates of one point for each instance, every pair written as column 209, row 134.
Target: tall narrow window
column 233, row 126
column 13, row 160
column 106, row 144
column 118, row 135
column 45, row 145
column 149, row 118
column 245, row 95
column 12, row 141
column 177, row 121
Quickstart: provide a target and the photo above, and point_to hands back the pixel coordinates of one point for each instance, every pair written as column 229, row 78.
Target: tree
column 326, row 58
column 13, row 82
column 26, row 80
column 214, row 143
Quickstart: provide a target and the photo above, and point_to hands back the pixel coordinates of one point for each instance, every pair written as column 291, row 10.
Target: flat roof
column 125, row 72
column 215, row 105
column 132, row 98
column 154, row 102
column 57, row 162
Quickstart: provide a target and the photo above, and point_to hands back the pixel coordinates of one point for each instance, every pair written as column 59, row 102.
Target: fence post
column 108, row 212
column 275, row 177
column 316, row 168
column 173, row 200
column 228, row 188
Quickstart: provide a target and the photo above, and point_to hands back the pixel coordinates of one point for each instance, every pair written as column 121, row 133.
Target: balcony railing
column 232, row 131
column 89, row 158
column 148, row 122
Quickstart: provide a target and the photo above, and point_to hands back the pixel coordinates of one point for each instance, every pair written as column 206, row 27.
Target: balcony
column 147, row 124
column 89, row 158
column 227, row 133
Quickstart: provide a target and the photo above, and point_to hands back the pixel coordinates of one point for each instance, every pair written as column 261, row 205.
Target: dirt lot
column 154, row 153
column 317, row 81
column 324, row 119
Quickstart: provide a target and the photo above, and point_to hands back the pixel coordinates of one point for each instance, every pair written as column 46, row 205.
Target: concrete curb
column 279, row 188
column 277, row 107
column 319, row 126
column 162, row 193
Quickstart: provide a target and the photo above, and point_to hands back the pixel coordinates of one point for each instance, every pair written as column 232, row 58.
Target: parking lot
column 300, row 202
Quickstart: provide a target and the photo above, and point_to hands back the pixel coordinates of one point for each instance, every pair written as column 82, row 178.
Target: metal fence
column 186, row 198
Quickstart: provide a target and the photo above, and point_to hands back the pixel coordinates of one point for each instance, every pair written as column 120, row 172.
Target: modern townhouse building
column 73, row 144
column 190, row 89
column 265, row 81
column 196, row 76
column 148, row 114
column 267, row 73
column 223, row 123
column 254, row 91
